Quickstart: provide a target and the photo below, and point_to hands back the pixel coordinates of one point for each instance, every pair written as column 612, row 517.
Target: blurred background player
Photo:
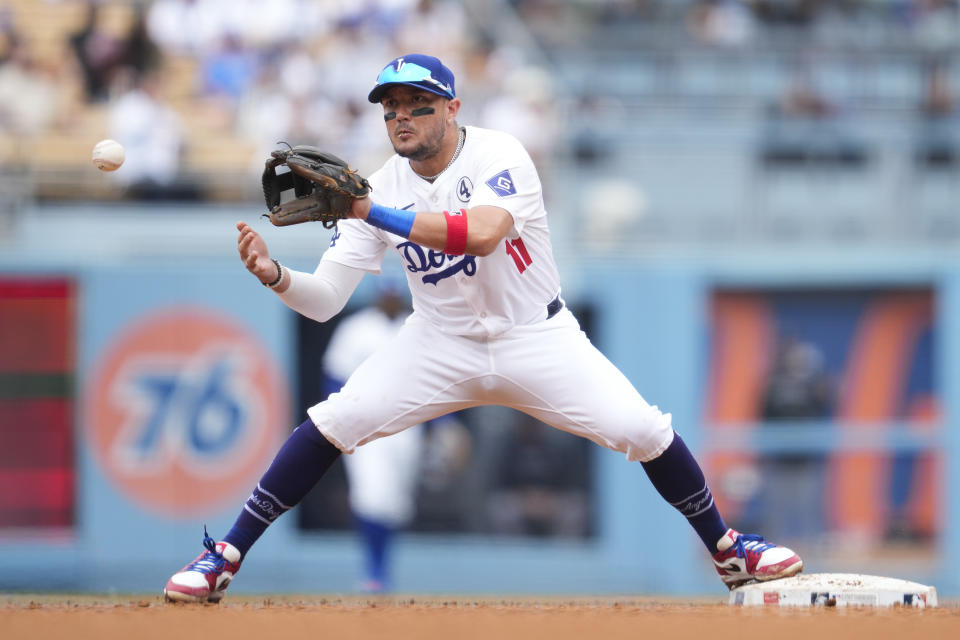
column 383, row 475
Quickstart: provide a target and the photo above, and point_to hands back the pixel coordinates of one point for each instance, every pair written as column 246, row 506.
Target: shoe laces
column 212, row 561
column 750, row 542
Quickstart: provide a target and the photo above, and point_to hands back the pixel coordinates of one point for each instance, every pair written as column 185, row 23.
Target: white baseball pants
column 549, row 370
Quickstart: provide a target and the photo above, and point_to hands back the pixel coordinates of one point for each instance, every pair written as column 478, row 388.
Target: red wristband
column 456, row 233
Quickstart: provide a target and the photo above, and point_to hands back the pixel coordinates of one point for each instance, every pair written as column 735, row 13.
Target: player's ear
column 453, row 108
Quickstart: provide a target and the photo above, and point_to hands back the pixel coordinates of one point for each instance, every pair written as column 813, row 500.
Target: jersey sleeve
column 356, row 244
column 508, row 179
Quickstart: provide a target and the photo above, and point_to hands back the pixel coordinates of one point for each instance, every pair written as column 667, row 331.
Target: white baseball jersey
column 481, row 332
column 465, row 295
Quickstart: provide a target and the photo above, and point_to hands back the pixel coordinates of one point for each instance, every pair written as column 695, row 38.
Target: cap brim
column 377, row 94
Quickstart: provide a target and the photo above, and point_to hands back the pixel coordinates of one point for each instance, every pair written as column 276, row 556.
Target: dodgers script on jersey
column 465, row 295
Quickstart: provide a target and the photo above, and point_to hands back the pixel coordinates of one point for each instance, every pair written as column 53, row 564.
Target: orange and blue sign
column 877, row 348
column 184, row 410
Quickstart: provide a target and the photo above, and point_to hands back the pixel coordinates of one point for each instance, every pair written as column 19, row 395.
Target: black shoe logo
column 733, row 567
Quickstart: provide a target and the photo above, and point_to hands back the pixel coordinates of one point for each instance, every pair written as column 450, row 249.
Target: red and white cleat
column 206, row 578
column 743, row 558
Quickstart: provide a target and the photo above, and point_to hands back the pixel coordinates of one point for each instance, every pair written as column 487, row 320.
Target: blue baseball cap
column 415, row 70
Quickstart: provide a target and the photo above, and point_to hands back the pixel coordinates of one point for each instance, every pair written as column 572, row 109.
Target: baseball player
column 382, row 475
column 463, row 208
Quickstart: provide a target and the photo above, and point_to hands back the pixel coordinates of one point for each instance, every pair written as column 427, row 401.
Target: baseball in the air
column 108, row 155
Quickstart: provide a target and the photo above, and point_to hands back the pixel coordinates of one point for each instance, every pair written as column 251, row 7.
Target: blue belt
column 554, row 307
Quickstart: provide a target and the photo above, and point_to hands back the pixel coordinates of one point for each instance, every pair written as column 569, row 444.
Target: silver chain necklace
column 460, row 139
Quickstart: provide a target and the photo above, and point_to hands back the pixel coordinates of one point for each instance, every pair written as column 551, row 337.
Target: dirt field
column 148, row 617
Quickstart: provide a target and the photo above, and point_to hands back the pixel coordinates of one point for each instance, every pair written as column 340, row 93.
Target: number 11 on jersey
column 518, row 251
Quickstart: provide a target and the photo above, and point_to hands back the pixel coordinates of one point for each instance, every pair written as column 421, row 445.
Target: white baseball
column 108, row 155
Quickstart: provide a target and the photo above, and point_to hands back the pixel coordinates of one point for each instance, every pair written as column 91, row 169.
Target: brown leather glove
column 324, row 187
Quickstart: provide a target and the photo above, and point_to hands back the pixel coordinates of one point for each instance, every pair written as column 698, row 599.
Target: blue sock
column 677, row 476
column 297, row 467
column 376, row 541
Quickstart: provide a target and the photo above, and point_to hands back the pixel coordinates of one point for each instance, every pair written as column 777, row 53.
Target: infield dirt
column 453, row 618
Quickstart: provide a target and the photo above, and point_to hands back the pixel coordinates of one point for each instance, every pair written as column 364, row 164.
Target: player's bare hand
column 254, row 253
column 360, row 208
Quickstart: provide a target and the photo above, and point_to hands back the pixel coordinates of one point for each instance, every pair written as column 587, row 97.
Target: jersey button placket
column 464, row 285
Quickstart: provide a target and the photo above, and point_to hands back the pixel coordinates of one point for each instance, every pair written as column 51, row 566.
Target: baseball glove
column 324, row 185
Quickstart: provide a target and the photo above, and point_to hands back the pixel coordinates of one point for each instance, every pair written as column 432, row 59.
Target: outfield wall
column 169, row 435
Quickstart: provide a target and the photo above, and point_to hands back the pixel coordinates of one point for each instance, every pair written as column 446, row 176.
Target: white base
column 835, row 590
